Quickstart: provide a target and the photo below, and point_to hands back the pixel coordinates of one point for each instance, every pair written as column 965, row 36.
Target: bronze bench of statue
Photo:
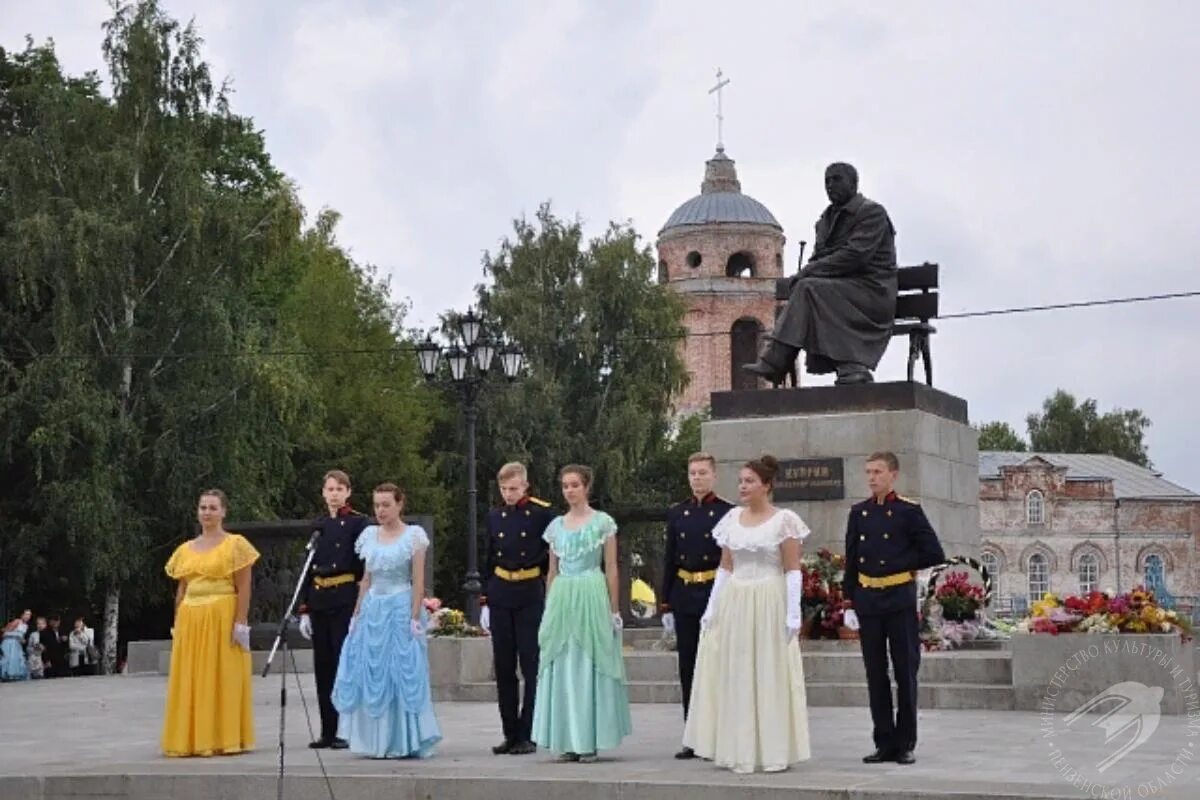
column 842, row 307
column 916, row 306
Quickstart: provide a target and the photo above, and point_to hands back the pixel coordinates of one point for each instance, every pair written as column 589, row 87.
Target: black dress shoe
column 321, row 744
column 522, row 748
column 879, row 756
column 906, row 757
column 853, row 373
column 338, row 744
column 504, row 748
column 764, row 370
column 774, row 363
column 685, row 753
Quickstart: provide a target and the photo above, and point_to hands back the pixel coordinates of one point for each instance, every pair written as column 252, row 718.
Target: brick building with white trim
column 1069, row 523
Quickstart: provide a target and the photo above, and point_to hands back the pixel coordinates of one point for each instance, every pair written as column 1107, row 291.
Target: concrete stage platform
column 86, row 738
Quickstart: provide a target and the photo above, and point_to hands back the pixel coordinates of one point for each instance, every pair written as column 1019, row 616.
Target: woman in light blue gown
column 13, row 666
column 382, row 691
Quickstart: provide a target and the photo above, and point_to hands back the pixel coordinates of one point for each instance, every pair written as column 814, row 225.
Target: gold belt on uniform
column 518, row 574
column 895, row 579
column 333, row 580
column 697, row 577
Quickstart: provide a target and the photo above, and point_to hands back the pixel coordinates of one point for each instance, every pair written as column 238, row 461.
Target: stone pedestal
column 927, row 430
column 1063, row 673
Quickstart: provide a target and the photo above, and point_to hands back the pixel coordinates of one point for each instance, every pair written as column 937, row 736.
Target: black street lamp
column 469, row 365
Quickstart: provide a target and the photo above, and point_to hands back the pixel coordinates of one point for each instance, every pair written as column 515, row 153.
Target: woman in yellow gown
column 209, row 692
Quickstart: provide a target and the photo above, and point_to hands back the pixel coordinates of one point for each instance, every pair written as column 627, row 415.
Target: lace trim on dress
column 573, row 544
column 382, row 557
column 785, row 524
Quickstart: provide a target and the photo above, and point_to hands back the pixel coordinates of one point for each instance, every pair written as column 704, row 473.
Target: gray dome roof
column 721, row 200
column 721, row 207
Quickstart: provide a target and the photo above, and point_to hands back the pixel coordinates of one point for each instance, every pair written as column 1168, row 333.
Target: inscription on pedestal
column 810, row 479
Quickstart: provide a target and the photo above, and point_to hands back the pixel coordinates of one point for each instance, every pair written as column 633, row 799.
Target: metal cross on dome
column 722, row 82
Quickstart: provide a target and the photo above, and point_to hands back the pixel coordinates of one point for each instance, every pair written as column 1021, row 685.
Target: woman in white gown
column 749, row 711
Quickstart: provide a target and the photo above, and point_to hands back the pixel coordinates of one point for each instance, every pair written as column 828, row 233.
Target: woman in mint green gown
column 582, row 699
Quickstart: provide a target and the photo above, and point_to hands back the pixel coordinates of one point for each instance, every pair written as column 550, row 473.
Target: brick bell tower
column 721, row 251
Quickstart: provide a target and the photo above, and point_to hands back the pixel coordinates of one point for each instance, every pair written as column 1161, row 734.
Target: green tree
column 600, row 338
column 1000, row 436
column 372, row 410
column 135, row 230
column 601, row 345
column 1066, row 426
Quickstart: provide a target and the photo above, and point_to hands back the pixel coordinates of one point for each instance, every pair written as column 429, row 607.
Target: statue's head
column 841, row 183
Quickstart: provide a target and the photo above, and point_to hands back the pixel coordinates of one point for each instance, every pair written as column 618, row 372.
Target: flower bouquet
column 959, row 598
column 446, row 621
column 822, row 604
column 1136, row 611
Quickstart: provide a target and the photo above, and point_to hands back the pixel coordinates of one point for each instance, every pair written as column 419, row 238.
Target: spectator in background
column 12, row 649
column 33, row 650
column 81, row 649
column 54, row 650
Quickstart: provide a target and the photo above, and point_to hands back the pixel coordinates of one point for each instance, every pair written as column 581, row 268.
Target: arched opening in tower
column 740, row 265
column 743, row 349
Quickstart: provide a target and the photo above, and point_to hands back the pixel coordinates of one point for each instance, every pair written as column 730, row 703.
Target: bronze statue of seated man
column 843, row 301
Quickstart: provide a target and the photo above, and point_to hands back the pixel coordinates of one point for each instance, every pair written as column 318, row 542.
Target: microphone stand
column 281, row 636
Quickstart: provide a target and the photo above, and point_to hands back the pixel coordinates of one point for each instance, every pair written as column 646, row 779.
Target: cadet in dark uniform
column 690, row 562
column 328, row 596
column 888, row 539
column 516, row 564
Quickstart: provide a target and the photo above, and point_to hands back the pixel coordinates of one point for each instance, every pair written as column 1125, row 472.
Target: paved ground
column 97, row 737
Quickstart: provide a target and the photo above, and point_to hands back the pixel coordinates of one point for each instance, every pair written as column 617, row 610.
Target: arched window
column 743, row 349
column 1039, row 577
column 662, row 271
column 1156, row 574
column 740, row 265
column 1035, row 508
column 991, row 562
column 1089, row 572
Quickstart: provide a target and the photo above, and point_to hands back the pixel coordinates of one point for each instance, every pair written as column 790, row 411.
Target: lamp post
column 469, row 364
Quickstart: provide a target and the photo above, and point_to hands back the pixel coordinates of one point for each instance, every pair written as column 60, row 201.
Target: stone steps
column 958, row 680
column 833, row 671
column 836, row 667
column 957, row 696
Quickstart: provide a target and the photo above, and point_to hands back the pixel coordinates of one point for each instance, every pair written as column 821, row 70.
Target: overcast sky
column 1039, row 152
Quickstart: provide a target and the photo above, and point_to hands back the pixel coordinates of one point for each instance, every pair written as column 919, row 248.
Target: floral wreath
column 974, row 564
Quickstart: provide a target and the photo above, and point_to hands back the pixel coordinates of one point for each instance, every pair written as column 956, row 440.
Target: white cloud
column 1040, row 153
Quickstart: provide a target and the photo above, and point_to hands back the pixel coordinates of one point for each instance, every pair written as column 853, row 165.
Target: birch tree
column 145, row 240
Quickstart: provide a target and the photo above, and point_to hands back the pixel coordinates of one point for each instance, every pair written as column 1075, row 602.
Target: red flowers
column 959, row 598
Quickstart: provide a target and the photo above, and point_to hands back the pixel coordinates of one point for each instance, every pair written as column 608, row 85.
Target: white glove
column 668, row 622
column 850, row 619
column 485, row 618
column 418, row 628
column 306, row 626
column 795, row 592
column 711, row 609
column 241, row 636
column 617, row 622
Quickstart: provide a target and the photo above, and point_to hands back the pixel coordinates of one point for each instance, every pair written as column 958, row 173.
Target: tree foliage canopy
column 1065, row 425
